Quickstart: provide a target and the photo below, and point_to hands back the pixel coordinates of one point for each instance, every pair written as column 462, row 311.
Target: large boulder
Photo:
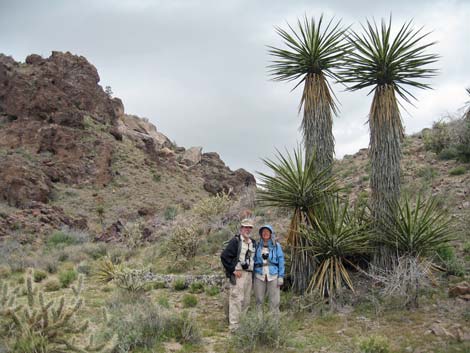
column 141, row 129
column 192, row 156
column 219, row 178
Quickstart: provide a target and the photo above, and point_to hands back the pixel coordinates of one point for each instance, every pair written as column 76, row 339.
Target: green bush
column 212, row 291
column 189, row 301
column 458, row 170
column 256, row 332
column 374, row 344
column 185, row 241
column 95, row 250
column 196, row 287
column 448, row 153
column 466, row 248
column 5, row 271
column 170, row 213
column 39, row 275
column 67, row 237
column 447, row 259
column 163, row 301
column 139, row 325
column 66, row 277
column 179, row 285
column 428, row 173
column 52, row 285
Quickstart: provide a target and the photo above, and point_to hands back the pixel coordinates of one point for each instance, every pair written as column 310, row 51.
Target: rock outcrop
column 60, row 129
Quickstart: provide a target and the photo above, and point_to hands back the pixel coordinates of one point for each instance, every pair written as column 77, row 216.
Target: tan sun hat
column 246, row 222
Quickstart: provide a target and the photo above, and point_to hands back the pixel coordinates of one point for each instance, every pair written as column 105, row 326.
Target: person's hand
column 280, row 282
column 238, row 273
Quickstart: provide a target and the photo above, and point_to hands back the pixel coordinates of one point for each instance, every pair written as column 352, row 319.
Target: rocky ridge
column 59, row 130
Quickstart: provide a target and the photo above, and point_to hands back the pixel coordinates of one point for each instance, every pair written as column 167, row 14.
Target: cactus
column 42, row 325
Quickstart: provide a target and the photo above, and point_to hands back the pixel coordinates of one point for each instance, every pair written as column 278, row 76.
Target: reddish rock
column 21, row 182
column 459, row 290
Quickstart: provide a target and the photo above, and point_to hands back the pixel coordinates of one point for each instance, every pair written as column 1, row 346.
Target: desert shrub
column 404, row 280
column 189, row 301
column 466, row 248
column 95, row 250
column 212, row 291
column 180, row 284
column 460, row 170
column 213, row 241
column 374, row 344
column 5, row 271
column 448, row 153
column 196, row 287
column 52, row 285
column 158, row 285
column 67, row 236
column 39, row 275
column 428, row 173
column 49, row 264
column 213, row 206
column 42, row 325
column 185, row 241
column 163, row 301
column 256, row 332
column 67, row 276
column 84, row 268
column 438, row 138
column 142, row 324
column 170, row 213
column 133, row 234
column 447, row 259
column 185, row 328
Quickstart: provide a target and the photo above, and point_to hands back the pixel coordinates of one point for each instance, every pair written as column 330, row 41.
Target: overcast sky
column 197, row 68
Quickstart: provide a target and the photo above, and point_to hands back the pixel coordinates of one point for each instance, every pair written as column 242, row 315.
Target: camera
column 265, row 256
column 245, row 265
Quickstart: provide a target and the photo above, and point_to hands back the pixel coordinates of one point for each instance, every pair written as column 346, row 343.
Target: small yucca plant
column 337, row 238
column 417, row 229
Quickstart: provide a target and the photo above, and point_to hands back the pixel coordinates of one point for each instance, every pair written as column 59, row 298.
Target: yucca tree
column 298, row 186
column 389, row 65
column 313, row 53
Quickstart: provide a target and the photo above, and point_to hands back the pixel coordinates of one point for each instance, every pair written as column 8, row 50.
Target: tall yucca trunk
column 317, row 123
column 302, row 265
column 386, row 134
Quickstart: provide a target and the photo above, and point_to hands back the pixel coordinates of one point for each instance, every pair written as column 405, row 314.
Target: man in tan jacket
column 237, row 259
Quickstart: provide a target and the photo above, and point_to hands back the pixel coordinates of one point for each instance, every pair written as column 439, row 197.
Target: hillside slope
column 69, row 155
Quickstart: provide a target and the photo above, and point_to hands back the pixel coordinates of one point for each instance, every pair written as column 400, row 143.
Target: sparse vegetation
column 189, row 301
column 258, row 332
column 460, row 170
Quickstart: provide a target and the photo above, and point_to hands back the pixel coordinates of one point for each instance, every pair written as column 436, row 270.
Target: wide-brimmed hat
column 246, row 222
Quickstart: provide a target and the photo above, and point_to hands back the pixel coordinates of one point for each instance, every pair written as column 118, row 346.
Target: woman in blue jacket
column 269, row 269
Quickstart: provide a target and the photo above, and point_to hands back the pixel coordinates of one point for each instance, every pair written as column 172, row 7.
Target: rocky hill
column 69, row 155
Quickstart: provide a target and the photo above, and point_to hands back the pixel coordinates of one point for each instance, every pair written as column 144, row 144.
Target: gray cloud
column 197, row 69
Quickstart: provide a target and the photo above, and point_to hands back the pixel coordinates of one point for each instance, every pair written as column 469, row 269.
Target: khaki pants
column 239, row 299
column 269, row 288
